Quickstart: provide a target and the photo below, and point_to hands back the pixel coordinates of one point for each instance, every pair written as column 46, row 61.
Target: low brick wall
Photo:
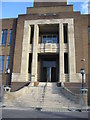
column 18, row 85
column 73, row 97
column 4, row 78
column 74, row 87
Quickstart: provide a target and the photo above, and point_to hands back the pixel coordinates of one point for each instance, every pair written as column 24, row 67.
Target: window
column 44, row 39
column 65, row 31
column 49, row 63
column 10, row 35
column 1, row 63
column 7, row 63
column 49, row 38
column 89, row 33
column 4, row 37
column 66, row 63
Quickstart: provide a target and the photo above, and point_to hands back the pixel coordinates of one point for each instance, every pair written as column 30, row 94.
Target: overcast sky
column 11, row 8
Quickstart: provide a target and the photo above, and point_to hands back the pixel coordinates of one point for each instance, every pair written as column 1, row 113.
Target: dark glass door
column 48, row 74
column 44, row 78
column 53, row 74
column 49, row 71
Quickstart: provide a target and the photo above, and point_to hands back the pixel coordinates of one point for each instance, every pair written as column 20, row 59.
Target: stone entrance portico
column 57, row 48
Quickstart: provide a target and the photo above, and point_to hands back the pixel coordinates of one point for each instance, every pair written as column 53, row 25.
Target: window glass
column 66, row 63
column 54, row 38
column 10, row 35
column 89, row 33
column 1, row 63
column 44, row 39
column 49, row 63
column 7, row 63
column 65, row 32
column 49, row 39
column 4, row 37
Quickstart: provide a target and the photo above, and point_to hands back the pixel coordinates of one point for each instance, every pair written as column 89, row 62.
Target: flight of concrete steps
column 46, row 96
column 54, row 99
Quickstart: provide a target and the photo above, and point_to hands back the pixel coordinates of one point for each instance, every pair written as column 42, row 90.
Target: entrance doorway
column 49, row 71
column 48, row 74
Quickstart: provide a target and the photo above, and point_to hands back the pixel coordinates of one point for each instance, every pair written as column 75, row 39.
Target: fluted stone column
column 61, row 54
column 71, row 47
column 35, row 54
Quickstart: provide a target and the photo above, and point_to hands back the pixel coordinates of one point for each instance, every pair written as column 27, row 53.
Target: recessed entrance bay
column 49, row 71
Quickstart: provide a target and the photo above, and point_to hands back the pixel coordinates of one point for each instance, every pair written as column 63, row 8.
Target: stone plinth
column 83, row 97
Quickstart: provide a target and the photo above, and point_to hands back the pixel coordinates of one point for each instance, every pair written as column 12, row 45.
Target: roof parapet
column 49, row 3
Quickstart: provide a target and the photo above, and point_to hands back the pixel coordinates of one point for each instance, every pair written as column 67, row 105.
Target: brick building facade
column 46, row 44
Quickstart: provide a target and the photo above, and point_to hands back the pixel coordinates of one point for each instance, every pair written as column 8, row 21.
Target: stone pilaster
column 35, row 54
column 23, row 75
column 71, row 47
column 61, row 53
column 25, row 52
